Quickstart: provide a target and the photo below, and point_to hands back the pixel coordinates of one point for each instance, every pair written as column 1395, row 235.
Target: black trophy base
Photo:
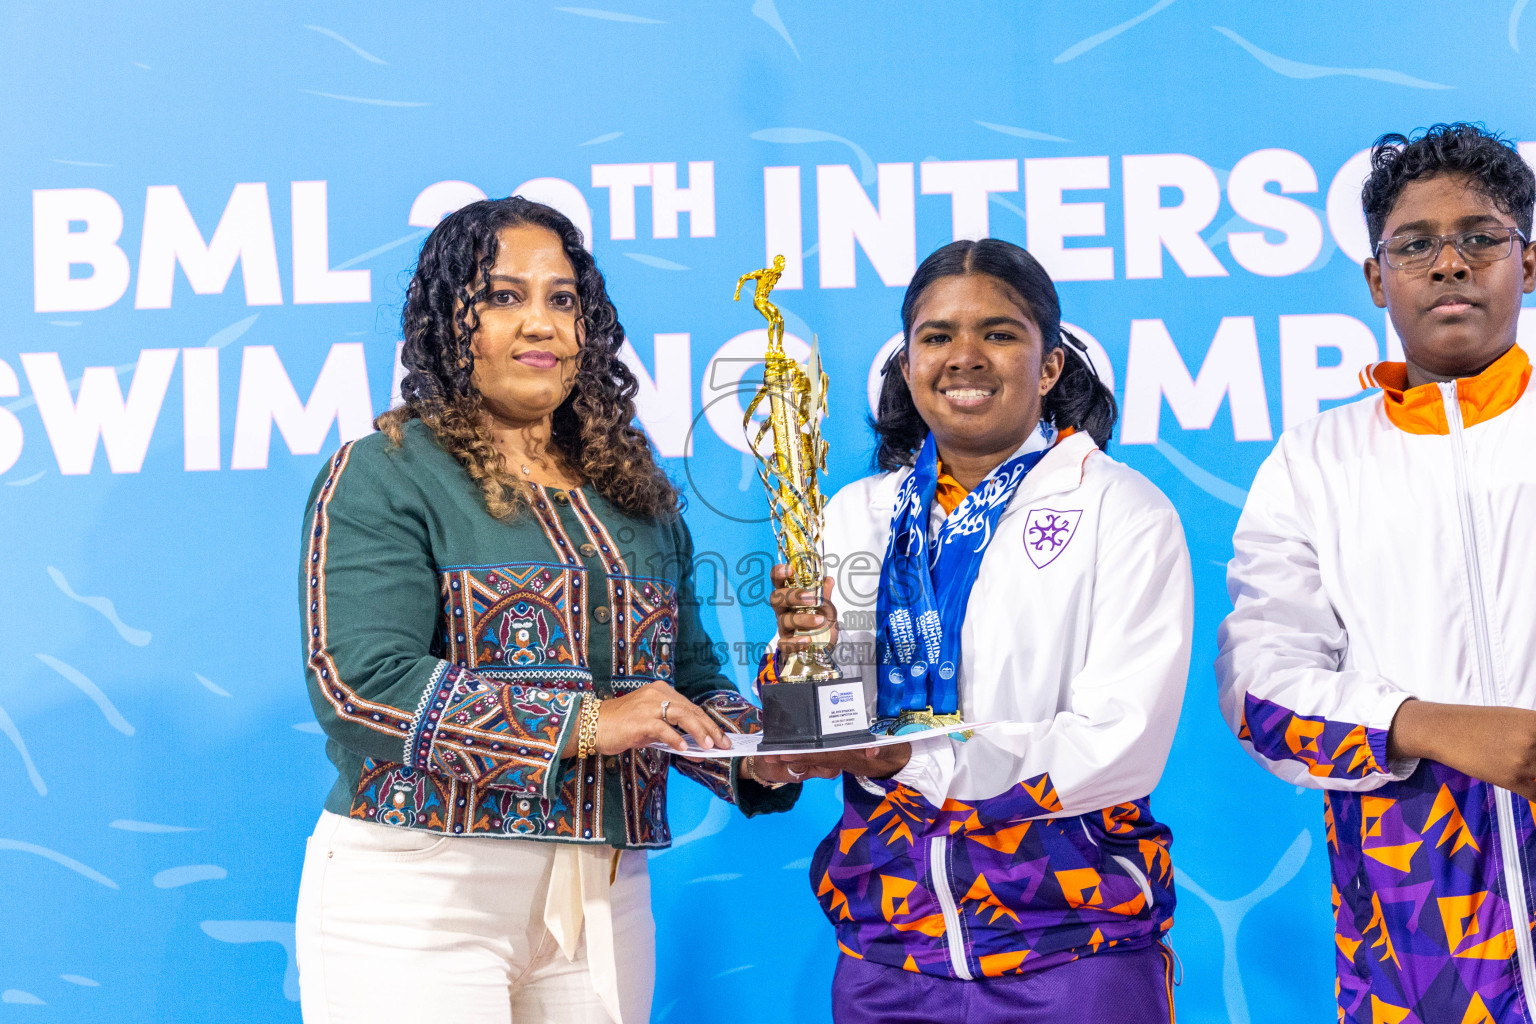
column 824, row 714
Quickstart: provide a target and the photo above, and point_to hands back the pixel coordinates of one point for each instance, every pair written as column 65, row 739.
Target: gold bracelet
column 586, row 726
column 749, row 769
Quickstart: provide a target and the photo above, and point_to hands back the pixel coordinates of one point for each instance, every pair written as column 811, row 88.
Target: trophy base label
column 842, row 707
column 814, row 714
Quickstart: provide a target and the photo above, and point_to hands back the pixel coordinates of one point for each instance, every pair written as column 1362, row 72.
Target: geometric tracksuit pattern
column 1329, row 749
column 1029, row 894
column 1423, row 929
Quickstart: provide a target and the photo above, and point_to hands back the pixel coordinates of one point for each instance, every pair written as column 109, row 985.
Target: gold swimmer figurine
column 809, row 681
column 796, row 402
column 766, row 279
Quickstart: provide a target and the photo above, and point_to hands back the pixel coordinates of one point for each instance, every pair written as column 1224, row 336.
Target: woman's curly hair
column 593, row 428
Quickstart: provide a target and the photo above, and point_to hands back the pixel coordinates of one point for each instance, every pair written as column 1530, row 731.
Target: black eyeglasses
column 1477, row 247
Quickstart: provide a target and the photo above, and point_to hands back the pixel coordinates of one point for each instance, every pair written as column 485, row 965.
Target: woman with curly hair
column 499, row 618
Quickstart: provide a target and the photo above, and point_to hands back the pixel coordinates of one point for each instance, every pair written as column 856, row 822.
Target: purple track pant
column 1134, row 987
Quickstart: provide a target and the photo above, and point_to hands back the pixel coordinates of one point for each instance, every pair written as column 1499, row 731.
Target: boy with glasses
column 1382, row 643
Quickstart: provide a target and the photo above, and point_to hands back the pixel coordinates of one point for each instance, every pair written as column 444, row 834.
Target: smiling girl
column 1027, row 579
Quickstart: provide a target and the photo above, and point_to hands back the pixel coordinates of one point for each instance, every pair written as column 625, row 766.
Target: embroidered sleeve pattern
column 494, row 736
column 346, row 703
column 1339, row 750
column 731, row 711
column 734, row 714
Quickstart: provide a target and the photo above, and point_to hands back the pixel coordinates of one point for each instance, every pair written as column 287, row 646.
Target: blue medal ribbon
column 924, row 587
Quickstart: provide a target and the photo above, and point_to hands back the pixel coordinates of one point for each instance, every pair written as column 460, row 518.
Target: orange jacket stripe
column 1419, row 410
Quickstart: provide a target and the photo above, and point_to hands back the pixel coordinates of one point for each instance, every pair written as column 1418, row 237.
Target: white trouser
column 397, row 926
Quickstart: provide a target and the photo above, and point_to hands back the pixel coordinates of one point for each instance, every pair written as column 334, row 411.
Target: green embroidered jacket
column 447, row 652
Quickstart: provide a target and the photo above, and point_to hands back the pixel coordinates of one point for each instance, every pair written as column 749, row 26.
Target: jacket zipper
column 1509, row 845
column 938, row 868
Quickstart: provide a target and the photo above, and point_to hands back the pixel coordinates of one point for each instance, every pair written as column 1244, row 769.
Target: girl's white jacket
column 1076, row 637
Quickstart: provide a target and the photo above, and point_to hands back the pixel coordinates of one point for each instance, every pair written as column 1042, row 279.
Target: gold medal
column 919, row 721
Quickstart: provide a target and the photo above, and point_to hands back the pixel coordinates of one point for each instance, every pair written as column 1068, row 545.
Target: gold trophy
column 812, row 704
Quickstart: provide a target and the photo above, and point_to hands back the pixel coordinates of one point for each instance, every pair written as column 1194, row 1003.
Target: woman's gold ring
column 664, row 705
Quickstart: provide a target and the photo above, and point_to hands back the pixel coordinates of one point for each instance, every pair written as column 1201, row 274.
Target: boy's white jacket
column 1385, row 553
column 1076, row 637
column 1377, row 561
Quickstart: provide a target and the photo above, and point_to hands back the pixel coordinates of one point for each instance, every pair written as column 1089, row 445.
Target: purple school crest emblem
column 1047, row 532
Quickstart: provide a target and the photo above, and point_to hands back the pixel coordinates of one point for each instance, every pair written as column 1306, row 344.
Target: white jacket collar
column 1060, row 470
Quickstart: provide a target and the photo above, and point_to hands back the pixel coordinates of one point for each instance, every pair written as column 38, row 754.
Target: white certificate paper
column 745, row 745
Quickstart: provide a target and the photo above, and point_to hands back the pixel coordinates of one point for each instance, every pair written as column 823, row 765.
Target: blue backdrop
column 208, row 216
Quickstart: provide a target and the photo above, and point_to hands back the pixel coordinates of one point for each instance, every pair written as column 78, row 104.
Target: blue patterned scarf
column 924, row 588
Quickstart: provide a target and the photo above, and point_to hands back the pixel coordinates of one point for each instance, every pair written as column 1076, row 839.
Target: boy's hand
column 1495, row 744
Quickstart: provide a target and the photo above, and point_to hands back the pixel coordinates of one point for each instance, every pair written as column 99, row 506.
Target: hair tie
column 1082, row 348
